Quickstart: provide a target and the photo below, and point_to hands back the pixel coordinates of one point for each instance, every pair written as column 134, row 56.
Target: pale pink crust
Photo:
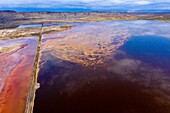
column 16, row 67
column 13, row 96
column 9, row 60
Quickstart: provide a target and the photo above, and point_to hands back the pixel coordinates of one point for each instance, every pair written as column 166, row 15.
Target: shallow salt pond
column 106, row 67
column 99, row 67
column 16, row 68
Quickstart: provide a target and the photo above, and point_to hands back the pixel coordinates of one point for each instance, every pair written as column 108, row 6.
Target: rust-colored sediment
column 18, row 75
column 13, row 96
column 16, row 68
column 87, row 45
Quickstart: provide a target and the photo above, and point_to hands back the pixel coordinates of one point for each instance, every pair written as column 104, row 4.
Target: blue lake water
column 39, row 25
column 134, row 78
column 154, row 50
column 29, row 25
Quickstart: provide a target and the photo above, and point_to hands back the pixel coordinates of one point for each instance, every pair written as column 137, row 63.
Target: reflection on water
column 88, row 47
column 39, row 25
column 133, row 78
column 29, row 25
column 154, row 50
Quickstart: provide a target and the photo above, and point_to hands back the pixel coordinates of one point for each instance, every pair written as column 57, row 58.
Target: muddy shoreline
column 7, row 34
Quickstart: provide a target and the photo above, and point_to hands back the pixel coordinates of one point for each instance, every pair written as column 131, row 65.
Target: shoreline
column 14, row 19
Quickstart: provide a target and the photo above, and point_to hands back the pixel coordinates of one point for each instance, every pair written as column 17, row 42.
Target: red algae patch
column 16, row 67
